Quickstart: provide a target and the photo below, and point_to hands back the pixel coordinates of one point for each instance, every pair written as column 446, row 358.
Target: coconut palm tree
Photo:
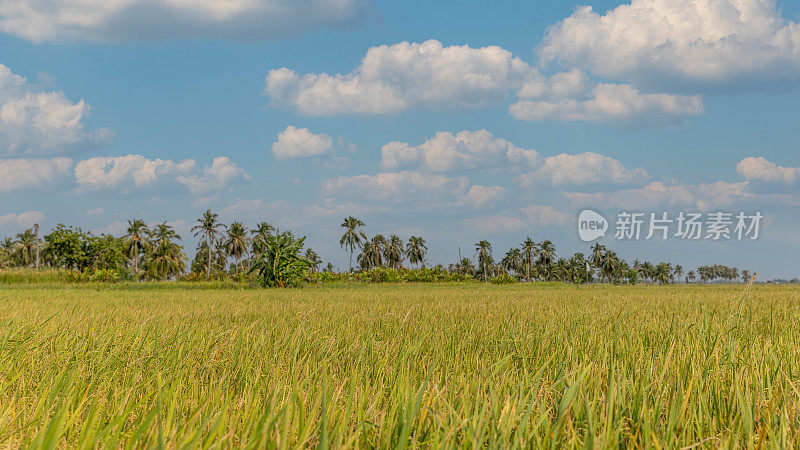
column 513, row 260
column 663, row 273
column 168, row 259
column 678, row 271
column 597, row 258
column 394, row 252
column 352, row 236
column 745, row 276
column 313, row 259
column 464, row 267
column 529, row 253
column 136, row 241
column 484, row 249
column 25, row 247
column 690, row 277
column 260, row 233
column 416, row 250
column 547, row 253
column 208, row 227
column 237, row 242
column 378, row 249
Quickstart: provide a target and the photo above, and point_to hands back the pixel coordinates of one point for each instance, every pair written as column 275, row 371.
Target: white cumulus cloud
column 691, row 43
column 124, row 171
column 587, row 168
column 611, row 102
column 760, row 169
column 296, row 143
column 479, row 196
column 148, row 20
column 137, row 171
column 18, row 222
column 35, row 122
column 19, row 174
column 401, row 187
column 703, row 196
column 404, row 76
column 447, row 152
column 546, row 215
column 221, row 173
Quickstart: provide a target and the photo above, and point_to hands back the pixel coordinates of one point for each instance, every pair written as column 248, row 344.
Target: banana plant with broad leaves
column 280, row 261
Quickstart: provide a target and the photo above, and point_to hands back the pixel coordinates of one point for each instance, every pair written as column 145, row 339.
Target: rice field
column 406, row 366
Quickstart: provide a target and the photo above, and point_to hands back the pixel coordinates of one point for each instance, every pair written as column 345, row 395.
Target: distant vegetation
column 277, row 258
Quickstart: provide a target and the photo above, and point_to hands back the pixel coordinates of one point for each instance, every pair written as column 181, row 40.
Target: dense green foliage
column 280, row 262
column 233, row 252
column 390, row 366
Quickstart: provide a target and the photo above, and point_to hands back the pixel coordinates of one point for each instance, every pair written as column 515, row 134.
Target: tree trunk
column 36, row 229
column 208, row 266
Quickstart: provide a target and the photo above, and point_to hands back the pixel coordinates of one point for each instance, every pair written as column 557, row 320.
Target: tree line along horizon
column 278, row 258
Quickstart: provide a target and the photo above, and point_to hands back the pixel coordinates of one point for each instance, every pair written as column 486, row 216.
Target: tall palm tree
column 513, row 260
column 745, row 276
column 484, row 249
column 678, row 271
column 168, row 259
column 136, row 241
column 352, row 236
column 663, row 273
column 378, row 249
column 208, row 227
column 416, row 250
column 547, row 253
column 26, row 247
column 313, row 259
column 394, row 252
column 260, row 233
column 597, row 258
column 237, row 242
column 529, row 253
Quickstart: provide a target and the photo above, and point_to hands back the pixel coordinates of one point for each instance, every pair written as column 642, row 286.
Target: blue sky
column 458, row 121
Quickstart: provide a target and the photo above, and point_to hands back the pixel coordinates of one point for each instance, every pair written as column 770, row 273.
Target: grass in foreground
column 398, row 365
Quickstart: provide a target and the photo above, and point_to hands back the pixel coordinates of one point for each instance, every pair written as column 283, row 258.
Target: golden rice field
column 406, row 366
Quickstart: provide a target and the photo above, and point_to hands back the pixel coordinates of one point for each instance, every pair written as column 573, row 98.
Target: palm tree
column 529, row 253
column 678, row 272
column 209, row 228
column 416, row 250
column 745, row 276
column 547, row 253
column 484, row 249
column 237, row 242
column 260, row 233
column 378, row 249
column 464, row 267
column 513, row 260
column 26, row 247
column 168, row 259
column 313, row 259
column 394, row 252
column 352, row 236
column 663, row 273
column 646, row 270
column 597, row 258
column 137, row 240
